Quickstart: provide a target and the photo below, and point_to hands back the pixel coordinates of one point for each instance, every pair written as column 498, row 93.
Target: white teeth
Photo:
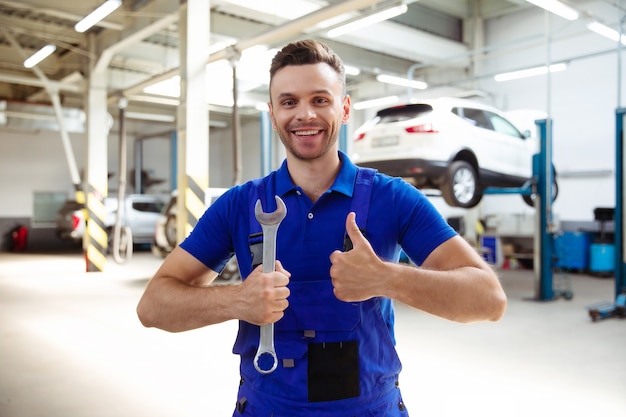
column 307, row 132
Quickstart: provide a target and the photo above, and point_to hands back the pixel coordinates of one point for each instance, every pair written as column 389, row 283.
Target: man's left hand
column 355, row 273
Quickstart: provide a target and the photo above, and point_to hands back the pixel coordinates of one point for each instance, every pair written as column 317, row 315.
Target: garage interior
column 122, row 90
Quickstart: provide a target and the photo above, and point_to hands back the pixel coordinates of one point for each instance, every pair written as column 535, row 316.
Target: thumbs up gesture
column 355, row 273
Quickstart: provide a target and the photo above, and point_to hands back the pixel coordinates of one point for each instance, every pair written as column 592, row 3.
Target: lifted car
column 457, row 146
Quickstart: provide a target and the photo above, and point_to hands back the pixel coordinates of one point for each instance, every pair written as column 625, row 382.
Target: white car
column 457, row 146
column 141, row 212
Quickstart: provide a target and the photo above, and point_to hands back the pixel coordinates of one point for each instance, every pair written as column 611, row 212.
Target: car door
column 519, row 148
column 499, row 146
column 142, row 216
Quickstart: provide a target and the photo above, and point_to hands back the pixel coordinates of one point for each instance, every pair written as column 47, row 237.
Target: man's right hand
column 264, row 295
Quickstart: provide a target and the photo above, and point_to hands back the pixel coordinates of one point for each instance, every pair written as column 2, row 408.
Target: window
column 46, row 205
column 477, row 117
column 148, row 206
column 503, row 126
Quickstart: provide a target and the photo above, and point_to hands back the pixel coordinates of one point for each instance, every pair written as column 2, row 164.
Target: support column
column 619, row 218
column 193, row 115
column 96, row 239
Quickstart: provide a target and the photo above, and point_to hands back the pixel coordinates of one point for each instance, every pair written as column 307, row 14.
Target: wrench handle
column 266, row 348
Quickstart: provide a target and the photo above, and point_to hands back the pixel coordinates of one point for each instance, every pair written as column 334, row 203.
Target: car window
column 148, row 206
column 477, row 117
column 503, row 126
column 402, row 113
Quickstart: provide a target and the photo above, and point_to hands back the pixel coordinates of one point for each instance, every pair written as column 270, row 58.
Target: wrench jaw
column 272, row 218
column 269, row 223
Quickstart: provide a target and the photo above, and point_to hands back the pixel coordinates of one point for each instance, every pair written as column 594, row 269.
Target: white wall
column 35, row 161
column 580, row 101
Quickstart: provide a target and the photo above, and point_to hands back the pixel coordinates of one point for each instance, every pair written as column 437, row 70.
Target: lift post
column 541, row 186
column 542, row 167
column 618, row 308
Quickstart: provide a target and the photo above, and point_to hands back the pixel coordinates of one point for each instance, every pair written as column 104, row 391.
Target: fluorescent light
column 153, row 117
column 368, row 20
column 530, row 72
column 40, row 55
column 383, row 101
column 404, row 82
column 291, row 9
column 606, row 31
column 97, row 15
column 556, row 7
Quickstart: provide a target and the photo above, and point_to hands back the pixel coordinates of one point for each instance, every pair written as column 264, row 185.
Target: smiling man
column 330, row 298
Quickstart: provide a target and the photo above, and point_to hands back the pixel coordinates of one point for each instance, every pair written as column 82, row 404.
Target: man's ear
column 271, row 111
column 346, row 109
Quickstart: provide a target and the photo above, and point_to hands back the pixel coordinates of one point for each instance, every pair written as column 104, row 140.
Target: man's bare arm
column 179, row 296
column 453, row 282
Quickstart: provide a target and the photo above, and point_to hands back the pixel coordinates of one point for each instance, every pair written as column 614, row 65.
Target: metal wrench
column 269, row 224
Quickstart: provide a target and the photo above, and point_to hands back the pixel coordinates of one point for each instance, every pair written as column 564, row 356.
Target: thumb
column 353, row 231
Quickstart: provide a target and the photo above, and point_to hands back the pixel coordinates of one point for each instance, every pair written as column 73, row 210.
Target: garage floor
column 71, row 346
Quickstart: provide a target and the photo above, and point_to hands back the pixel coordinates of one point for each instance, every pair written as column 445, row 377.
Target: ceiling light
column 40, row 55
column 606, row 31
column 368, row 20
column 404, row 82
column 97, row 15
column 383, row 101
column 556, row 7
column 291, row 9
column 530, row 72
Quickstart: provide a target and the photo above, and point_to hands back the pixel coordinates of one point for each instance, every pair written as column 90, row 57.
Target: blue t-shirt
column 400, row 216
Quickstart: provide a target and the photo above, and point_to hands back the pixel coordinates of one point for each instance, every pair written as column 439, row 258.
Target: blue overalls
column 335, row 359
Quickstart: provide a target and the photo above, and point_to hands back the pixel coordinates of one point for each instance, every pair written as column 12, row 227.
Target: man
column 330, row 300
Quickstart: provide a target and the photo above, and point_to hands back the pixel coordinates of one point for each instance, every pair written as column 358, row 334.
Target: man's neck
column 314, row 177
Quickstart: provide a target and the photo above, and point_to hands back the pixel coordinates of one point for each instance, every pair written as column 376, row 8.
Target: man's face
column 307, row 109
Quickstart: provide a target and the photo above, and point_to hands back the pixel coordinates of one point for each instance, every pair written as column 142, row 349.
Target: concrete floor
column 71, row 346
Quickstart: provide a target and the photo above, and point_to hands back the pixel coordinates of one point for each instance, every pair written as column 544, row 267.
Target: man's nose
column 306, row 112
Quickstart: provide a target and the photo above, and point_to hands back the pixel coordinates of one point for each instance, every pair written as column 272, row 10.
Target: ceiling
column 142, row 40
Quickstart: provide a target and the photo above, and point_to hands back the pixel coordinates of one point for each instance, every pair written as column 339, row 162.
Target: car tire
column 460, row 187
column 170, row 230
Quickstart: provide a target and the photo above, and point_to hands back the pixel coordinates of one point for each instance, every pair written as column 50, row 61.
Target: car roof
column 444, row 102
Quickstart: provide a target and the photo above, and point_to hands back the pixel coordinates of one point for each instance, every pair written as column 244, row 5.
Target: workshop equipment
column 602, row 251
column 269, row 224
column 605, row 310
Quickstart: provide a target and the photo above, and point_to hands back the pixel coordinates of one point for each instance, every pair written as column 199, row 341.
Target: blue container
column 572, row 250
column 602, row 257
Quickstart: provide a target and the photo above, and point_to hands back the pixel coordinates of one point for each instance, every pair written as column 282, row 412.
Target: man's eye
column 321, row 100
column 289, row 102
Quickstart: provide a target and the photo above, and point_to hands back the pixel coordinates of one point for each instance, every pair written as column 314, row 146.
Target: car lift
column 541, row 186
column 618, row 308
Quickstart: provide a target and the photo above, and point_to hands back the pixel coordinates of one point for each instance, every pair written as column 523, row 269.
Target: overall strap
column 360, row 202
column 362, row 195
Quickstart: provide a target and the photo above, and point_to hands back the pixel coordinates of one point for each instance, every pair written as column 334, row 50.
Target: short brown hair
column 306, row 52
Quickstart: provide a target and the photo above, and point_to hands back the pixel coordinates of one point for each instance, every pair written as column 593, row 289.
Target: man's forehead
column 308, row 77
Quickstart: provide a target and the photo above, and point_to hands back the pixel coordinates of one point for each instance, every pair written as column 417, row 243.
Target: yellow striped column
column 97, row 239
column 193, row 115
column 194, row 201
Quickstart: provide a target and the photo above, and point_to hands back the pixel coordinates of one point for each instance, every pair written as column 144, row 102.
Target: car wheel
column 460, row 188
column 530, row 198
column 170, row 230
